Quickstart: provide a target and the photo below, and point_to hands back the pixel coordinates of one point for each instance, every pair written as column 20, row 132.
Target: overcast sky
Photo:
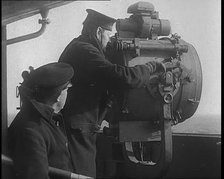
column 197, row 21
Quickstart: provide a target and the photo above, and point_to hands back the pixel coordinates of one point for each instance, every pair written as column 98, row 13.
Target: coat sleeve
column 92, row 62
column 30, row 155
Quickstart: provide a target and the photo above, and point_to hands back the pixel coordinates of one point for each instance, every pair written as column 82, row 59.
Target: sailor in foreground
column 37, row 137
column 85, row 107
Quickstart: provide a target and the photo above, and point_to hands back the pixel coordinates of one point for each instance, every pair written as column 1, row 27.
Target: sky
column 198, row 22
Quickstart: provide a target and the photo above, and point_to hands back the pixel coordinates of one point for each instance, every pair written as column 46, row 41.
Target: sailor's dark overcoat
column 94, row 75
column 37, row 140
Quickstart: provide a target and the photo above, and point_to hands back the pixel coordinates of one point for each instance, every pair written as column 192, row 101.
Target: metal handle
column 56, row 171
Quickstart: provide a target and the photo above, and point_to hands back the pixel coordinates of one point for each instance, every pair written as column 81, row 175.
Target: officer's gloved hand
column 156, row 66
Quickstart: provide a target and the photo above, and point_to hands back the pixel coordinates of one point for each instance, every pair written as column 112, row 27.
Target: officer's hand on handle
column 156, row 66
column 160, row 67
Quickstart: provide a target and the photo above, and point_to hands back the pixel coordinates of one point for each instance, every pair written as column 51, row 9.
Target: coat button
column 66, row 144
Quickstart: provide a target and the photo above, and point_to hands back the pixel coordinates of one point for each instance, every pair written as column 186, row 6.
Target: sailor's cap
column 51, row 75
column 98, row 19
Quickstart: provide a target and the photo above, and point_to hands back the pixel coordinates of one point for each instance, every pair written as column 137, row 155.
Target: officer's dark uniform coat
column 37, row 140
column 86, row 100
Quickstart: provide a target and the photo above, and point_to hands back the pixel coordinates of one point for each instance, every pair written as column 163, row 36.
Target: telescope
column 141, row 119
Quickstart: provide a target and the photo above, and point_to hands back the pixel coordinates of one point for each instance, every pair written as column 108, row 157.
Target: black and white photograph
column 111, row 89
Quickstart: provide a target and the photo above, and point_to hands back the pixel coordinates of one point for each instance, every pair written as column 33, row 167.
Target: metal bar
column 26, row 37
column 55, row 171
column 44, row 22
column 152, row 45
column 167, row 145
column 4, row 92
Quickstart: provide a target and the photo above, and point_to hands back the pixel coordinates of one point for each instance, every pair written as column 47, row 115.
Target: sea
column 200, row 124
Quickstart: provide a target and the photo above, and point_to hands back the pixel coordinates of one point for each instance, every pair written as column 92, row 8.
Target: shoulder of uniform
column 86, row 48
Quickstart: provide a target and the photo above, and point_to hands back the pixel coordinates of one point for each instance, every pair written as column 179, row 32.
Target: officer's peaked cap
column 51, row 75
column 99, row 19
